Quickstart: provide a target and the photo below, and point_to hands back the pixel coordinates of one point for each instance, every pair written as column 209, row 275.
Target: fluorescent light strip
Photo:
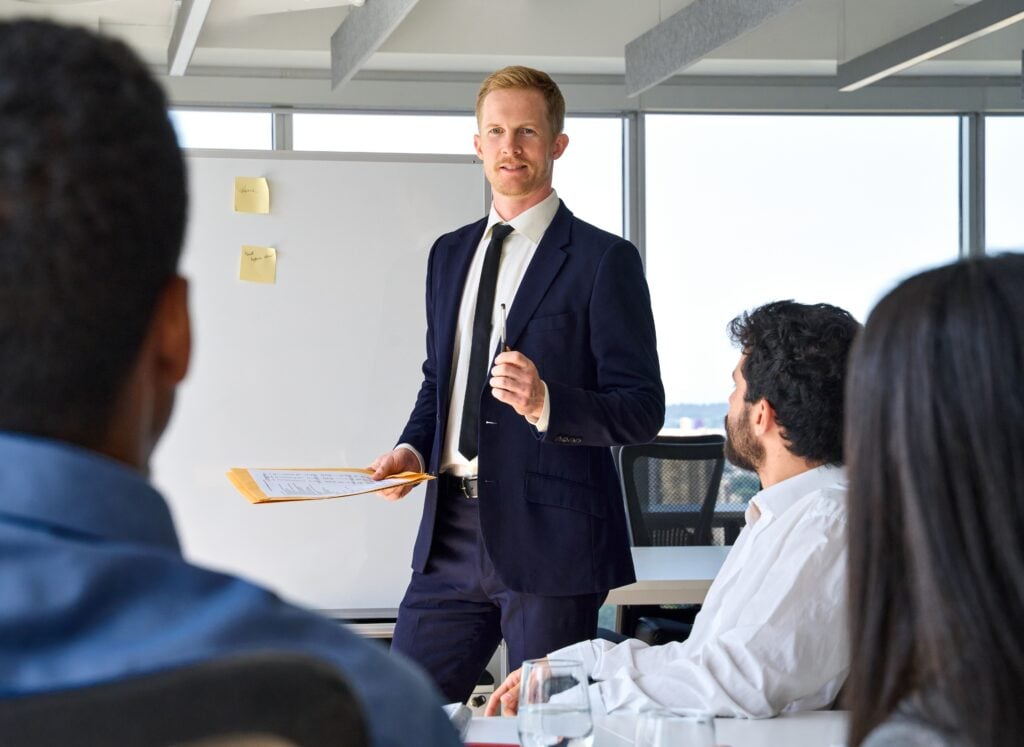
column 942, row 49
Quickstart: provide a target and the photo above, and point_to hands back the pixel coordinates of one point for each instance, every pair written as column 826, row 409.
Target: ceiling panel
column 563, row 36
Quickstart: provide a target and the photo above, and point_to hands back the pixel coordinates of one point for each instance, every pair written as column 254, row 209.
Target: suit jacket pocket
column 561, row 493
column 544, row 323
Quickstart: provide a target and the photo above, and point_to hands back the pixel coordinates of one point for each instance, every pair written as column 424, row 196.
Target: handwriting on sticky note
column 252, row 194
column 258, row 264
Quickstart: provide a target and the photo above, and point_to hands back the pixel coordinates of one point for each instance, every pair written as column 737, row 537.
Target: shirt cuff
column 545, row 414
column 582, row 652
column 409, row 447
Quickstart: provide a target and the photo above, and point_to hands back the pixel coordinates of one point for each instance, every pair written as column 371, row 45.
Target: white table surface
column 671, row 575
column 808, row 729
column 665, row 575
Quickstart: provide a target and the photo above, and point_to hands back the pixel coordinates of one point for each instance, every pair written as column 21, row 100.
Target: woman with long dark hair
column 935, row 452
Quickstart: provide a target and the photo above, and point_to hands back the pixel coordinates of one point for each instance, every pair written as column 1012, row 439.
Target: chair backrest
column 265, row 699
column 670, row 487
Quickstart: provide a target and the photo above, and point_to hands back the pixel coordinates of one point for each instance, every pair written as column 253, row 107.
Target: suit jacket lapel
column 451, row 270
column 544, row 266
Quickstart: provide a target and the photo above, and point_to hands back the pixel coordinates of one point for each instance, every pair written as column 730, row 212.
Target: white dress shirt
column 771, row 636
column 516, row 252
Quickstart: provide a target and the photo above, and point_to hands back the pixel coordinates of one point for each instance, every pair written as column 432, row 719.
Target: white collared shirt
column 516, row 253
column 771, row 635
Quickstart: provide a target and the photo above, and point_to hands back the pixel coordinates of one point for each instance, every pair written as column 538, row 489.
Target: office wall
column 317, row 370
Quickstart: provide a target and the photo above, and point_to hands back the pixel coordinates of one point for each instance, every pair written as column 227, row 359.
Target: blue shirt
column 93, row 587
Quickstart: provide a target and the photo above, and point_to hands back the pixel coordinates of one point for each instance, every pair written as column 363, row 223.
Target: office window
column 233, row 130
column 742, row 210
column 588, row 177
column 1004, row 164
column 384, row 133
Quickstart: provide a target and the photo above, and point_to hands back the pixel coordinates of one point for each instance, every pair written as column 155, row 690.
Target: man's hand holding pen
column 516, row 382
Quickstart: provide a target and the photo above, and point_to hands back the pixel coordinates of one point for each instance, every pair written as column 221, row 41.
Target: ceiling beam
column 361, row 33
column 274, row 7
column 185, row 35
column 939, row 37
column 690, row 35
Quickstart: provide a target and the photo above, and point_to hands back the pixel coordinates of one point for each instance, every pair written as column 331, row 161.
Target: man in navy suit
column 524, row 531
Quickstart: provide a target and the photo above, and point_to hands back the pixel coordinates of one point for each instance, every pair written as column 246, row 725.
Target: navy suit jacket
column 551, row 509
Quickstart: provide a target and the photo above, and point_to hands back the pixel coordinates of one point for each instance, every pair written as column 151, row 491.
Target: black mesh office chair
column 670, row 487
column 278, row 699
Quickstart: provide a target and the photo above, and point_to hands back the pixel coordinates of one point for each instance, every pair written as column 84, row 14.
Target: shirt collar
column 74, row 490
column 779, row 498
column 531, row 223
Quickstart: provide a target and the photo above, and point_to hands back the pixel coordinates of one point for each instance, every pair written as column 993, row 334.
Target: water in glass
column 553, row 725
column 554, row 705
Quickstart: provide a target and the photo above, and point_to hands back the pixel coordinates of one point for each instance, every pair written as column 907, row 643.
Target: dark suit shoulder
column 456, row 242
column 463, row 233
column 588, row 233
column 569, row 232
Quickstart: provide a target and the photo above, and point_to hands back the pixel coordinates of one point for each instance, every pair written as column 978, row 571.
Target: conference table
column 806, row 729
column 671, row 575
column 664, row 575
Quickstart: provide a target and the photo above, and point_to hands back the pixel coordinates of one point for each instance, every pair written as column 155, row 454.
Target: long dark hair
column 935, row 452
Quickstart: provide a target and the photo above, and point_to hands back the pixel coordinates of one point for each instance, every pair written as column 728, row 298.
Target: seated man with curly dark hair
column 771, row 636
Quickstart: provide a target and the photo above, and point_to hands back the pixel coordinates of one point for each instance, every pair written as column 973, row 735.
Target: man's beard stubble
column 742, row 449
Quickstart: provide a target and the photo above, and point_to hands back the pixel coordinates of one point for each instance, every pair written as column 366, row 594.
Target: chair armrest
column 655, row 631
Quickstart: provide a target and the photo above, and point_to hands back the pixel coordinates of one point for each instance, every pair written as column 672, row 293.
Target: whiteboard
column 320, row 369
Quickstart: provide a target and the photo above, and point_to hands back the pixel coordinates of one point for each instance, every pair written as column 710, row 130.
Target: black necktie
column 480, row 355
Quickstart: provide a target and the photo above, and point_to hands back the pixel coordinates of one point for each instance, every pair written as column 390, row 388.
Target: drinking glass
column 554, row 705
column 675, row 727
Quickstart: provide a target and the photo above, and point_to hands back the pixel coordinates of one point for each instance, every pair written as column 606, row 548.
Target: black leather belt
column 450, row 483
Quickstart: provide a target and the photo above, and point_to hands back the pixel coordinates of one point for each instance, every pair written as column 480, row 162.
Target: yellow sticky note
column 258, row 264
column 252, row 194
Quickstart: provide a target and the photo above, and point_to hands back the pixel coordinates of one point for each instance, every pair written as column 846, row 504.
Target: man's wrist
column 542, row 419
column 415, row 452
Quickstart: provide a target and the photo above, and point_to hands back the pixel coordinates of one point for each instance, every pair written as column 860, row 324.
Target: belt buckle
column 468, row 485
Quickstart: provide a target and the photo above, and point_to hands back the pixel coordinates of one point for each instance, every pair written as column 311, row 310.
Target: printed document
column 271, row 485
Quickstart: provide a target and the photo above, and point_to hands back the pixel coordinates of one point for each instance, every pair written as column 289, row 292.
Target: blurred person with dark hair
column 771, row 635
column 935, row 443
column 94, row 339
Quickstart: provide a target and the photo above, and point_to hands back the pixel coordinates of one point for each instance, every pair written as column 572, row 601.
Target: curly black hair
column 92, row 216
column 796, row 358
